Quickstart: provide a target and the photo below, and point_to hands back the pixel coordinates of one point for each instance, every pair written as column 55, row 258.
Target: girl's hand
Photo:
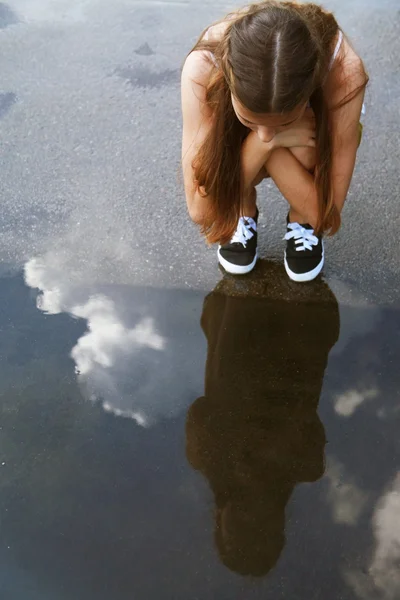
column 301, row 134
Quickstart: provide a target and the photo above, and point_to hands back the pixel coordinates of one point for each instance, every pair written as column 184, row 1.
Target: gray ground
column 90, row 130
column 102, row 357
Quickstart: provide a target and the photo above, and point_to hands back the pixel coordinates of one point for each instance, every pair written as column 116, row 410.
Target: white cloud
column 139, row 417
column 40, row 276
column 107, row 336
column 347, row 500
column 382, row 579
column 347, row 403
column 122, row 362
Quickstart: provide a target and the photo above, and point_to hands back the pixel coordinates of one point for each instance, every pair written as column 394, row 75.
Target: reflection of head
column 256, row 433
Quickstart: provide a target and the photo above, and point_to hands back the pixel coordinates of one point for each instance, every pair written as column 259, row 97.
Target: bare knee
column 306, row 156
column 197, row 215
column 263, row 174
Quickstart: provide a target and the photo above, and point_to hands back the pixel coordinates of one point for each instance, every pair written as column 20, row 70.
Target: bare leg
column 306, row 158
column 302, row 157
column 288, row 169
column 250, row 205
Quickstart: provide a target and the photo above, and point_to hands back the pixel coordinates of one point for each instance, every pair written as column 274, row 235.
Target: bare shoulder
column 198, row 64
column 347, row 74
column 197, row 68
column 195, row 77
column 351, row 63
column 215, row 32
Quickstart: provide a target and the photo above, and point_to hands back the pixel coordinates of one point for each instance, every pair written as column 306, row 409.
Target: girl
column 256, row 434
column 273, row 90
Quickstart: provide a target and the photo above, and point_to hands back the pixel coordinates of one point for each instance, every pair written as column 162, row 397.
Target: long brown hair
column 272, row 57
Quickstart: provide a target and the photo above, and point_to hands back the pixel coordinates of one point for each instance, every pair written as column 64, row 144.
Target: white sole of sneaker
column 310, row 275
column 236, row 269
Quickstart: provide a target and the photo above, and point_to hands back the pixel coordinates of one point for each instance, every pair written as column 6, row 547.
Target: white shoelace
column 305, row 238
column 243, row 232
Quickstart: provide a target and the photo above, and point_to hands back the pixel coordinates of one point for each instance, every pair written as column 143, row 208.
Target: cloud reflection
column 107, row 336
column 348, row 402
column 123, row 360
column 347, row 500
column 382, row 579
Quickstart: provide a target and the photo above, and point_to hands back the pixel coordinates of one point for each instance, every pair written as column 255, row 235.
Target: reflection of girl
column 274, row 89
column 256, row 433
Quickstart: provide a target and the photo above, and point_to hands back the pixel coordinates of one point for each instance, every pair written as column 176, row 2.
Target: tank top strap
column 209, row 53
column 337, row 48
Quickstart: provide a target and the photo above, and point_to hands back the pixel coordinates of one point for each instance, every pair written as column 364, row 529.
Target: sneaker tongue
column 255, row 218
column 305, row 225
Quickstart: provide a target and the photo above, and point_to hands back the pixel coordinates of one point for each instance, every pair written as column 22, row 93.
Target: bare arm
column 299, row 189
column 345, row 128
column 197, row 121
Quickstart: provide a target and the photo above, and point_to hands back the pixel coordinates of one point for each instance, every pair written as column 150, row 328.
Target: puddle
column 169, row 444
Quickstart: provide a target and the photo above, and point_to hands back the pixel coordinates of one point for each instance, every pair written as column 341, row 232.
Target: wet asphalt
column 168, row 431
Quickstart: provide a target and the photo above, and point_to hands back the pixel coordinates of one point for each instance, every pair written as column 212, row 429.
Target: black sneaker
column 304, row 255
column 240, row 255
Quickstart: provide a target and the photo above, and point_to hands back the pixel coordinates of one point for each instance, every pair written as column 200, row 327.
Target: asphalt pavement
column 91, row 132
column 168, row 432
